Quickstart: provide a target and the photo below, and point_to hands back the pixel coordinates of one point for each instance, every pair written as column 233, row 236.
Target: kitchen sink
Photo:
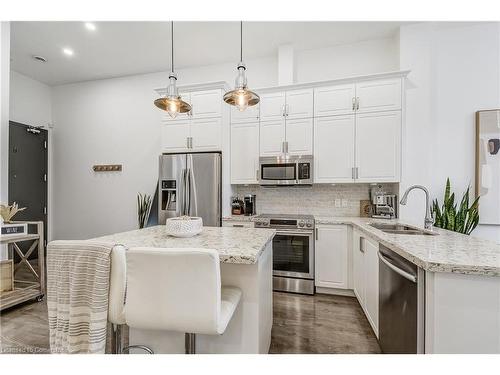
column 400, row 229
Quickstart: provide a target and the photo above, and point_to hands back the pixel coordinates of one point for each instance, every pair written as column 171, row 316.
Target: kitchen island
column 246, row 262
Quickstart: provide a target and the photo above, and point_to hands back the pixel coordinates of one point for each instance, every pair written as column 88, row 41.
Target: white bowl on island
column 184, row 226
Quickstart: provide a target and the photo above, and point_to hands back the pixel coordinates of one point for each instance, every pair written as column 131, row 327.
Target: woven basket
column 184, row 226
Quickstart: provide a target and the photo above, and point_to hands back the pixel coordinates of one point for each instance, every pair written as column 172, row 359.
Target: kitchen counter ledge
column 446, row 252
column 235, row 245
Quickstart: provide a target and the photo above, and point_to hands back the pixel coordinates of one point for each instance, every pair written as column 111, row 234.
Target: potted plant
column 144, row 202
column 461, row 219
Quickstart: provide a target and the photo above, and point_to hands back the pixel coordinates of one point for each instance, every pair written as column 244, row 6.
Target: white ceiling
column 125, row 48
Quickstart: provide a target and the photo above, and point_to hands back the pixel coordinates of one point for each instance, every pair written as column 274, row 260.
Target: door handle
column 399, row 271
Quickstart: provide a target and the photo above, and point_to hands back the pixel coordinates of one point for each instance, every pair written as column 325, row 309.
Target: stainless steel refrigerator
column 191, row 184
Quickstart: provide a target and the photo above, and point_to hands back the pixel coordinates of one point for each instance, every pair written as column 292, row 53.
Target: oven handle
column 301, row 232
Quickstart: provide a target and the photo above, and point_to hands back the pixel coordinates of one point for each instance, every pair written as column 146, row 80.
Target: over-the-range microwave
column 286, row 170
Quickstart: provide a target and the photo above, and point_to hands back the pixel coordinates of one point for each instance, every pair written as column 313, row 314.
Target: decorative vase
column 184, row 226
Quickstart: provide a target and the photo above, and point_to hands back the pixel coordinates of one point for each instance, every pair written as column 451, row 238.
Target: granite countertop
column 235, row 245
column 238, row 218
column 446, row 252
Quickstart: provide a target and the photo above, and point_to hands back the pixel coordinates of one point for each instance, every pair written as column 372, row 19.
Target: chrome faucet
column 429, row 220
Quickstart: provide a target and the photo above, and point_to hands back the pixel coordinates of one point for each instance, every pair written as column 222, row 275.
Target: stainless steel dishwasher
column 401, row 304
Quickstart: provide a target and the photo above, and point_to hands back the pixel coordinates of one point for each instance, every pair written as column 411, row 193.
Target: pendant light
column 172, row 102
column 241, row 96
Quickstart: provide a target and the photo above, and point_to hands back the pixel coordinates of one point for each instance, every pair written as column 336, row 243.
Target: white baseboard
column 335, row 291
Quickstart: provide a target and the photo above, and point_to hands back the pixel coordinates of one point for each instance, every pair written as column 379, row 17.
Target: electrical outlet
column 345, row 203
column 337, row 203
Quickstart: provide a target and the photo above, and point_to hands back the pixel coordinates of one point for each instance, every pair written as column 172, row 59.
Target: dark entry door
column 28, row 171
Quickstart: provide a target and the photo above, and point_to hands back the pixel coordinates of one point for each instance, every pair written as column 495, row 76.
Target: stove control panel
column 306, row 224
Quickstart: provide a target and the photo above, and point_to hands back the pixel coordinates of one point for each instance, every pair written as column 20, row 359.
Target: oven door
column 275, row 173
column 293, row 254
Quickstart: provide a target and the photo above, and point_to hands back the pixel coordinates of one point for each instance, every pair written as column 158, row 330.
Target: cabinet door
column 331, row 257
column 334, row 100
column 174, row 135
column 272, row 136
column 371, row 282
column 378, row 146
column 299, row 135
column 272, row 106
column 358, row 267
column 237, row 224
column 206, row 104
column 334, row 149
column 381, row 95
column 299, row 104
column 207, row 134
column 251, row 114
column 244, row 153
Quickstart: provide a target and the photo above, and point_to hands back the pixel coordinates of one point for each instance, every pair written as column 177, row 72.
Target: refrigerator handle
column 192, row 185
column 184, row 193
column 188, row 191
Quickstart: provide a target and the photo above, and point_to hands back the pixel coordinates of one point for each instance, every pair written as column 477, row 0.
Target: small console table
column 29, row 277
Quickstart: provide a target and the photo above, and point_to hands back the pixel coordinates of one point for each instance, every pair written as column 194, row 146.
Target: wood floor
column 302, row 324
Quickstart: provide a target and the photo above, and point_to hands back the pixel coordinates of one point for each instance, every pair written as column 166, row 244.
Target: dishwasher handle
column 399, row 271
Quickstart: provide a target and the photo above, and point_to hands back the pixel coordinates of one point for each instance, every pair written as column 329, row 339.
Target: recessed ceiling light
column 68, row 51
column 90, row 26
column 40, row 58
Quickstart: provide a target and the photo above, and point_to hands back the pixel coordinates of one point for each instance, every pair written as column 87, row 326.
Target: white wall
column 30, row 101
column 115, row 121
column 346, row 60
column 455, row 72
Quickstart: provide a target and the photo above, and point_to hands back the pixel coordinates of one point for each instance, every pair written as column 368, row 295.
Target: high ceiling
column 123, row 48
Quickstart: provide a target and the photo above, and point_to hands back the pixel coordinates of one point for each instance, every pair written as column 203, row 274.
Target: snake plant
column 461, row 219
column 144, row 202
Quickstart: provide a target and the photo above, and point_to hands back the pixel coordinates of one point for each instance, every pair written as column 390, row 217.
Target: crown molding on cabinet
column 197, row 87
column 368, row 77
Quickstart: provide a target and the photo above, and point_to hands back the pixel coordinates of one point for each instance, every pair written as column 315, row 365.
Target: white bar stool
column 178, row 290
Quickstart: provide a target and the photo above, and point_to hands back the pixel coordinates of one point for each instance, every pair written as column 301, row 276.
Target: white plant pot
column 184, row 226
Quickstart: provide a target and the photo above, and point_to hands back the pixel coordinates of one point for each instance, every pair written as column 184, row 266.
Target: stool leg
column 190, row 339
column 117, row 339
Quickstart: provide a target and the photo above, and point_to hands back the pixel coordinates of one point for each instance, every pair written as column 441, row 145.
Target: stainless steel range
column 293, row 251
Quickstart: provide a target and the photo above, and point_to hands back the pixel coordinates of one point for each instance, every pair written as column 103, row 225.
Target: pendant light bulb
column 172, row 102
column 241, row 96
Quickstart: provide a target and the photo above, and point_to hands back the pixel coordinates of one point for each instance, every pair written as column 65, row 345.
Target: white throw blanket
column 77, row 295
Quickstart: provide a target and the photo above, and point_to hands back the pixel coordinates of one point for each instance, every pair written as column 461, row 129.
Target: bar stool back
column 178, row 290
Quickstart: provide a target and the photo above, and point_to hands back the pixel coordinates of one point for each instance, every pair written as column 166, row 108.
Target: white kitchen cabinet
column 365, row 276
column 358, row 267
column 206, row 134
column 370, row 249
column 378, row 146
column 334, row 149
column 206, row 104
column 299, row 104
column 272, row 136
column 175, row 135
column 272, row 106
column 334, row 100
column 379, row 95
column 244, row 153
column 299, row 135
column 331, row 257
column 250, row 114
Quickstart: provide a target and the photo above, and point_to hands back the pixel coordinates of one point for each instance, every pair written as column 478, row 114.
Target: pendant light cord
column 172, row 36
column 241, row 40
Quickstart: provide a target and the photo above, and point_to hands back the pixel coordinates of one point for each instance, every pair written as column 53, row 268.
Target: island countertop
column 445, row 252
column 235, row 245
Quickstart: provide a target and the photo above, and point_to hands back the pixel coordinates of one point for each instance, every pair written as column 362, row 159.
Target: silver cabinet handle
column 357, row 173
column 287, row 109
column 353, row 173
column 283, row 110
column 257, row 175
column 361, row 244
column 187, row 142
column 238, row 226
column 285, row 147
column 353, row 103
column 316, row 233
column 357, row 103
column 399, row 271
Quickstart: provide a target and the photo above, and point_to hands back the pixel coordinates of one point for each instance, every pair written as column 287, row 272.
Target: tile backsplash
column 318, row 200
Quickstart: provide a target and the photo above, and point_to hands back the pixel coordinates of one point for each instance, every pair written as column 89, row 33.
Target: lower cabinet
column 365, row 276
column 331, row 256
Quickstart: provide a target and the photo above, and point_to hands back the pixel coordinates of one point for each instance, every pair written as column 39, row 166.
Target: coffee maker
column 384, row 205
column 250, row 207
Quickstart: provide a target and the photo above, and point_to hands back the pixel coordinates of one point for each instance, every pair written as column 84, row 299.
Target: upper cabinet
column 361, row 97
column 206, row 104
column 244, row 153
column 335, row 100
column 250, row 114
column 293, row 104
column 199, row 130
